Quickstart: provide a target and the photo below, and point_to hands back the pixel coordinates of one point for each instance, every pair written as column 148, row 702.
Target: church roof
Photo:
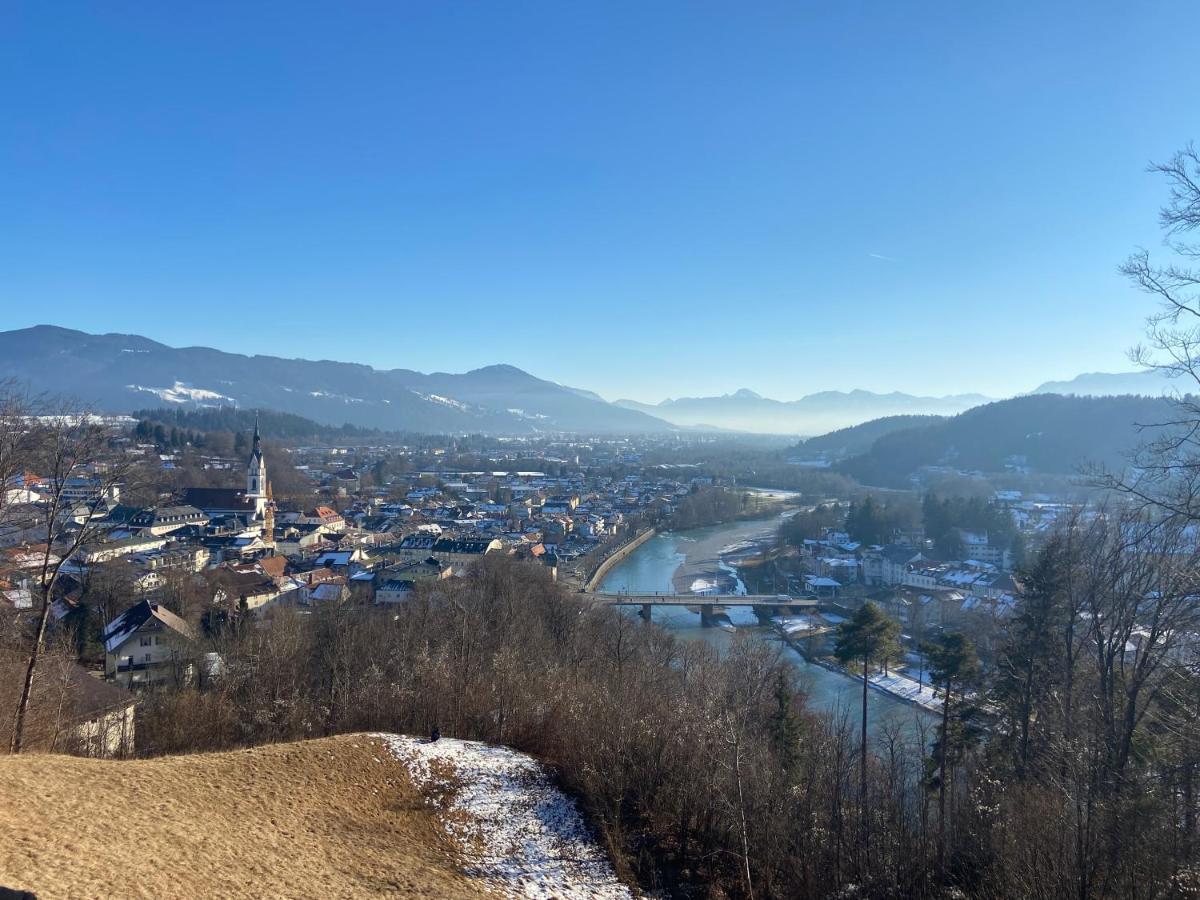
column 209, row 499
column 256, row 449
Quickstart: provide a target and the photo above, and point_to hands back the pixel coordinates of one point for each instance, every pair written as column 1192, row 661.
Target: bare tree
column 1166, row 468
column 69, row 446
column 15, row 435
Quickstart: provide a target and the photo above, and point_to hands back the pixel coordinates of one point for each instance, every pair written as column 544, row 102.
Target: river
column 691, row 560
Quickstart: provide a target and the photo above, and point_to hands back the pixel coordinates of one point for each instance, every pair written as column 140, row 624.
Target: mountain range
column 1147, row 383
column 121, row 372
column 124, row 372
column 814, row 414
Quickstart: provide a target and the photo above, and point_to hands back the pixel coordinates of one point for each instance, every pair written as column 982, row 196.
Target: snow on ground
column 795, row 624
column 344, row 398
column 908, row 689
column 703, row 585
column 444, row 401
column 515, row 829
column 181, row 392
column 737, row 547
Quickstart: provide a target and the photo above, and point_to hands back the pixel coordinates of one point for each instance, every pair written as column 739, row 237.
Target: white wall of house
column 154, row 651
column 108, row 735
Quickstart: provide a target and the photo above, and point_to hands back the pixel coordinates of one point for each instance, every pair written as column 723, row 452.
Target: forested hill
column 858, row 439
column 1047, row 433
column 277, row 426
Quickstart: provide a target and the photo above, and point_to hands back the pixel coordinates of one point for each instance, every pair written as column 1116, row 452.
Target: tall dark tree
column 1030, row 665
column 953, row 666
column 867, row 637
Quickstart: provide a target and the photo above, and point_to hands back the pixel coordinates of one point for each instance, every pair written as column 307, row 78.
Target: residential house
column 70, row 710
column 148, row 644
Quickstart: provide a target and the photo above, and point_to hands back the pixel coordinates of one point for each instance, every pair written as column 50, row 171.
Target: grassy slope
column 336, row 817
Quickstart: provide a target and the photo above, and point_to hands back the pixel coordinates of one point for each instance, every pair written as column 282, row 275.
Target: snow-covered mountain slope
column 121, row 373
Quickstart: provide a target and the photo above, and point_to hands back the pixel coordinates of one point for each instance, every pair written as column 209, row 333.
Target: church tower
column 256, row 476
column 268, row 531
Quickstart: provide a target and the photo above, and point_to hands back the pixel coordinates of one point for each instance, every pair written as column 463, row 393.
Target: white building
column 147, row 644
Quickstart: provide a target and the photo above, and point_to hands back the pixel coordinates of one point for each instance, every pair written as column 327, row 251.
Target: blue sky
column 645, row 199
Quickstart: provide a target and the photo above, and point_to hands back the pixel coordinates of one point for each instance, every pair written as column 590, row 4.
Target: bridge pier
column 706, row 617
column 645, row 612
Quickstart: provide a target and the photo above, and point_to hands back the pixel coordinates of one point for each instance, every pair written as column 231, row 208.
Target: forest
column 159, row 424
column 1044, row 433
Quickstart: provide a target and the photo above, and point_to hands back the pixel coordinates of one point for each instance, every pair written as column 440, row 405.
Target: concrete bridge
column 707, row 603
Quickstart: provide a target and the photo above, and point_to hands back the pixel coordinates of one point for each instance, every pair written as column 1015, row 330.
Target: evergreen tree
column 866, row 637
column 1029, row 667
column 953, row 665
column 785, row 725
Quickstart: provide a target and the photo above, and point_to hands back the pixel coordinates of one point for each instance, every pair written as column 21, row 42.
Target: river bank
column 676, row 561
column 615, row 556
column 899, row 687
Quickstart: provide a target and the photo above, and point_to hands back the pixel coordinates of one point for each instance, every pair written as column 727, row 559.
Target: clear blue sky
column 647, row 199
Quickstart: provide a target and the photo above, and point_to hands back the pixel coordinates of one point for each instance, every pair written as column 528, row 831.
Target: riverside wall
column 615, row 557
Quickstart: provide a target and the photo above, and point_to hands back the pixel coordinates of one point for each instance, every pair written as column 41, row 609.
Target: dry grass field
column 337, row 817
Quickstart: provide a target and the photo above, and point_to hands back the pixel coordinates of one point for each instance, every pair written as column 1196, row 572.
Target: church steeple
column 256, row 474
column 256, row 449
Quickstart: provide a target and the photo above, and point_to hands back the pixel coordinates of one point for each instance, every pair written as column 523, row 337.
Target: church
column 253, row 507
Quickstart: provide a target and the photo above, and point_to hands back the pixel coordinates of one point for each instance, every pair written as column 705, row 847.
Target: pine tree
column 953, row 665
column 866, row 637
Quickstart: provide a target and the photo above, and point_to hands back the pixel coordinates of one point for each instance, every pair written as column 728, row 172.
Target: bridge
column 706, row 602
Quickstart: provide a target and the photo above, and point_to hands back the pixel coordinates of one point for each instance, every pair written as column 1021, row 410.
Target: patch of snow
column 520, row 413
column 341, row 397
column 907, row 689
column 738, row 547
column 445, row 401
column 181, row 392
column 795, row 624
column 514, row 829
column 702, row 585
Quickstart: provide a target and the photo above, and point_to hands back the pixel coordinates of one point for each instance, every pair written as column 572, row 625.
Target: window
column 148, row 657
column 145, row 642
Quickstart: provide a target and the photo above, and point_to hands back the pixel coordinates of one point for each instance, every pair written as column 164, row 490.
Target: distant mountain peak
column 1148, row 382
column 500, row 369
column 818, row 413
